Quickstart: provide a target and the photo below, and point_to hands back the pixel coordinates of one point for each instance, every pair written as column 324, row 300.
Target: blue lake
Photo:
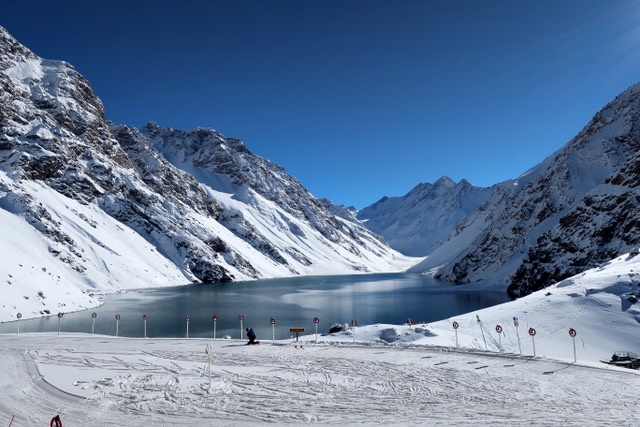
column 292, row 302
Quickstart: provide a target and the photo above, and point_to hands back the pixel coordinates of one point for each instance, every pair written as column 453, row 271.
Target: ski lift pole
column 482, row 331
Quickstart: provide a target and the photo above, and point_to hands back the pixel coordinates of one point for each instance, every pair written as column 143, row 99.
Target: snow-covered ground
column 375, row 374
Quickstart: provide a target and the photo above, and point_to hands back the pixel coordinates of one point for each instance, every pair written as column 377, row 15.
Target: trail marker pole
column 316, row 321
column 455, row 329
column 59, row 321
column 241, row 317
column 93, row 321
column 354, row 323
column 215, row 320
column 208, row 351
column 499, row 331
column 117, row 323
column 410, row 323
column 187, row 319
column 572, row 334
column 516, row 324
column 532, row 332
column 482, row 330
column 19, row 316
column 144, row 318
column 273, row 329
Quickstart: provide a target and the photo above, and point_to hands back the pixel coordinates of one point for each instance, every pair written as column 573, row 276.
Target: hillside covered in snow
column 573, row 211
column 87, row 205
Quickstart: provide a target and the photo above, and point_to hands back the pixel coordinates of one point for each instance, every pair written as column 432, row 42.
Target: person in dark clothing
column 251, row 335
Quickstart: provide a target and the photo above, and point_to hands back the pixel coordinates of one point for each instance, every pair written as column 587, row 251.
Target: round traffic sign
column 409, row 321
column 60, row 315
column 144, row 317
column 272, row 321
column 572, row 332
column 214, row 318
column 354, row 322
column 19, row 315
column 498, row 329
column 117, row 317
column 532, row 331
column 455, row 325
column 187, row 318
column 241, row 317
column 94, row 315
column 316, row 320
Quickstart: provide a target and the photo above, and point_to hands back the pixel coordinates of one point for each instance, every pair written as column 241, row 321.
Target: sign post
column 59, row 321
column 93, row 321
column 144, row 318
column 215, row 320
column 455, row 328
column 19, row 316
column 410, row 323
column 117, row 323
column 499, row 331
column 241, row 318
column 273, row 329
column 572, row 334
column 516, row 324
column 354, row 323
column 532, row 332
column 187, row 319
column 316, row 321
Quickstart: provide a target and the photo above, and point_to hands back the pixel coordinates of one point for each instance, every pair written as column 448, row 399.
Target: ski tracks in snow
column 145, row 382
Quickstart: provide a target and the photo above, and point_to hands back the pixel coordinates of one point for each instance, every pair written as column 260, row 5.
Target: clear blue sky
column 356, row 99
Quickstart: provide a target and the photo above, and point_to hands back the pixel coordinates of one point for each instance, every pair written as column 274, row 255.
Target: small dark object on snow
column 336, row 327
column 625, row 359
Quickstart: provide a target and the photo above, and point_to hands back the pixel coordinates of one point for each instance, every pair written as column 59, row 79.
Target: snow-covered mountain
column 423, row 219
column 88, row 205
column 575, row 210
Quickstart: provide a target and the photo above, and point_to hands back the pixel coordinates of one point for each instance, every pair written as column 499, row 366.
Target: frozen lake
column 292, row 302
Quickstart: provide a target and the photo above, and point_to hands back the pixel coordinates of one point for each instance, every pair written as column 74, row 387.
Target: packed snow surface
column 420, row 374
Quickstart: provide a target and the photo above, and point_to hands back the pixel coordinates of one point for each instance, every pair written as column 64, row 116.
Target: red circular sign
column 94, row 315
column 498, row 328
column 410, row 321
column 272, row 321
column 316, row 320
column 354, row 322
column 60, row 315
column 117, row 317
column 532, row 331
column 455, row 325
column 214, row 318
column 187, row 318
column 241, row 317
column 144, row 317
column 572, row 332
column 19, row 315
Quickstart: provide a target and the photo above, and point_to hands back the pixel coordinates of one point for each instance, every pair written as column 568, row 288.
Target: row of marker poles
column 532, row 333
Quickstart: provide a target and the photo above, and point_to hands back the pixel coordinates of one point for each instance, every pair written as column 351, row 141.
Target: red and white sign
column 214, row 318
column 144, row 317
column 532, row 332
column 316, row 320
column 572, row 332
column 117, row 317
column 272, row 321
column 455, row 325
column 241, row 317
column 498, row 329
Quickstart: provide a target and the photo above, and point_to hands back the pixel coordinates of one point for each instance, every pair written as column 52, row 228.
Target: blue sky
column 356, row 99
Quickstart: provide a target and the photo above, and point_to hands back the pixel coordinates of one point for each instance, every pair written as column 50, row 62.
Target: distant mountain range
column 90, row 206
column 573, row 211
